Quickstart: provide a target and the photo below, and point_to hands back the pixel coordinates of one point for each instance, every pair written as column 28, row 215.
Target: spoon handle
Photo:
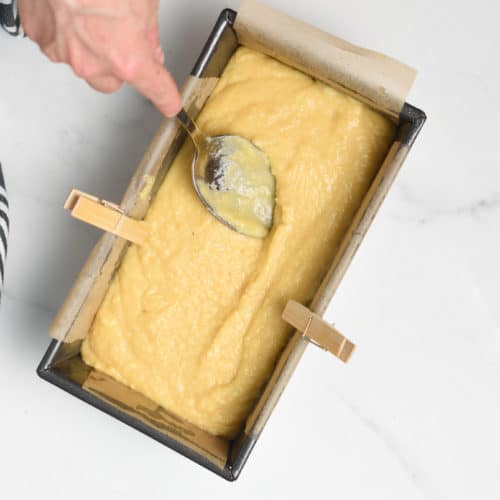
column 191, row 128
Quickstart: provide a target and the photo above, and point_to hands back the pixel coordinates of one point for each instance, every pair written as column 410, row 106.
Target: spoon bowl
column 233, row 179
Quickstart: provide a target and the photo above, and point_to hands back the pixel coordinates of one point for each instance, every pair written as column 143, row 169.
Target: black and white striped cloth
column 10, row 22
column 4, row 227
column 9, row 17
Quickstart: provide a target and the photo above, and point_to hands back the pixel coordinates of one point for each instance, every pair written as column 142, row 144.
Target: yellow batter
column 193, row 317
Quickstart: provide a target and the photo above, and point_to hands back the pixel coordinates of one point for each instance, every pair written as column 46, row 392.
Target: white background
column 416, row 413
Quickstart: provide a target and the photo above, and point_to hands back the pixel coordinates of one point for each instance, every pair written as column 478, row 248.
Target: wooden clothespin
column 318, row 331
column 105, row 215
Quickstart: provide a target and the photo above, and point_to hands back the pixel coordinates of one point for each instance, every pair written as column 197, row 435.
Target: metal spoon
column 233, row 179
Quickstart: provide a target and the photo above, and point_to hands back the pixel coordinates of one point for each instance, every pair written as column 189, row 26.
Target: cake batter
column 192, row 318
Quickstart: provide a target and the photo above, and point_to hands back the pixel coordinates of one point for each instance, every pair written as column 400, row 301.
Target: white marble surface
column 416, row 413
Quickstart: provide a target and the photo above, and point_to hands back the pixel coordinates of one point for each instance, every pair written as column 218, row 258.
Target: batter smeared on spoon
column 233, row 179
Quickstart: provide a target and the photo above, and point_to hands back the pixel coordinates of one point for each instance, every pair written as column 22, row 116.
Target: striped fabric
column 9, row 17
column 4, row 227
column 10, row 22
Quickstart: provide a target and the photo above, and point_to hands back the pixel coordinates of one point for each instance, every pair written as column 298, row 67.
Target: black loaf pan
column 63, row 367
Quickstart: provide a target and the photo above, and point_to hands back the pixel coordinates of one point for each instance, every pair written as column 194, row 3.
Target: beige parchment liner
column 378, row 80
column 133, row 403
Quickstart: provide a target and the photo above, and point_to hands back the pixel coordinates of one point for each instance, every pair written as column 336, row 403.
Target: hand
column 106, row 42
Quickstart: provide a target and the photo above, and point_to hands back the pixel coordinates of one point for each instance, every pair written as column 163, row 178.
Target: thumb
column 155, row 83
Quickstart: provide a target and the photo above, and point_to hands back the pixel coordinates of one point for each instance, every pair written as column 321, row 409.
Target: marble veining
column 402, row 455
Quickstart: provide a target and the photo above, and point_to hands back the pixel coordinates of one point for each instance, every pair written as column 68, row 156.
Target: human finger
column 105, row 84
column 159, row 55
column 84, row 63
column 155, row 83
column 51, row 52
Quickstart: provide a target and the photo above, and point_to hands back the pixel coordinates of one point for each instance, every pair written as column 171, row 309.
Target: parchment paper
column 376, row 79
